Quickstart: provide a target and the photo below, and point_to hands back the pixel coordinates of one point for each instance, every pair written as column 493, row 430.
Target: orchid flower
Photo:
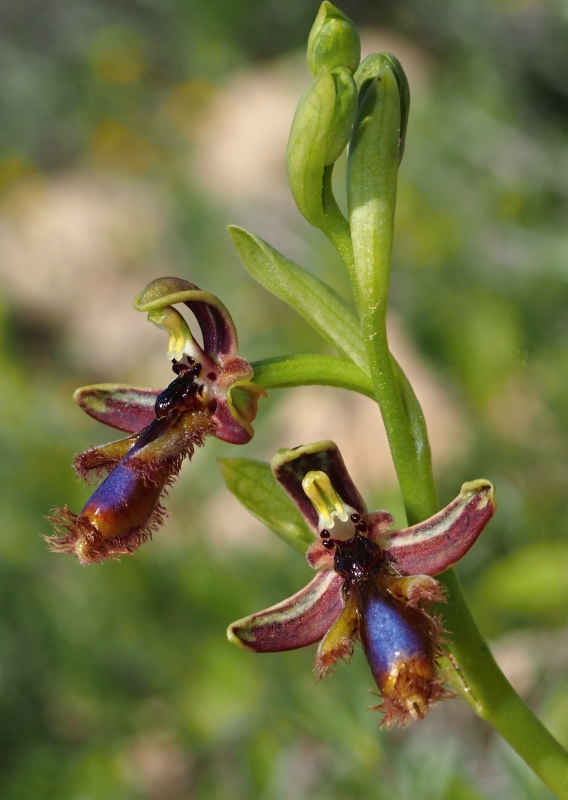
column 211, row 395
column 373, row 584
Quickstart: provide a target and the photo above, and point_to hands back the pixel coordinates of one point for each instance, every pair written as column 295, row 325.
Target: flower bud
column 343, row 115
column 333, row 41
column 370, row 68
column 319, row 134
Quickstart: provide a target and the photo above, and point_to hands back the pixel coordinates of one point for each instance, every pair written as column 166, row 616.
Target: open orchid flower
column 211, row 395
column 373, row 584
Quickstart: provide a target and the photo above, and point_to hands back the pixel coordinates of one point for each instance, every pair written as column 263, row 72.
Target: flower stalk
column 364, row 242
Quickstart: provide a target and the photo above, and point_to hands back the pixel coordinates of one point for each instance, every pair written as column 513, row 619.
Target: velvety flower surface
column 374, row 585
column 212, row 394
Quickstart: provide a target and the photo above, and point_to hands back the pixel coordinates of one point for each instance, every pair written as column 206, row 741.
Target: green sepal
column 343, row 115
column 307, row 145
column 370, row 68
column 333, row 41
column 321, row 306
column 255, row 487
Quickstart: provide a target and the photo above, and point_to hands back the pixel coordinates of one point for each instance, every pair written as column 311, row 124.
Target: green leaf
column 254, row 485
column 287, row 372
column 331, row 316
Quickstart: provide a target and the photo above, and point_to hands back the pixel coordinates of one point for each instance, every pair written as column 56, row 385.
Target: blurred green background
column 132, row 132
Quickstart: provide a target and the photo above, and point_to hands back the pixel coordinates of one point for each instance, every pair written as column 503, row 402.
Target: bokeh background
column 132, row 132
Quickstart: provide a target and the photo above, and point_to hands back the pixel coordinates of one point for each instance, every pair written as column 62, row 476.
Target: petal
column 378, row 523
column 127, row 408
column 233, row 416
column 338, row 642
column 290, row 467
column 219, row 334
column 96, row 461
column 319, row 557
column 438, row 543
column 301, row 620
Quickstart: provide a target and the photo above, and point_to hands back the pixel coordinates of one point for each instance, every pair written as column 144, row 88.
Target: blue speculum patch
column 389, row 634
column 116, row 490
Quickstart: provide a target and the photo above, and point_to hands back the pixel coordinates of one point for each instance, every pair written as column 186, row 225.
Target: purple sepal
column 291, row 466
column 300, row 620
column 438, row 543
column 126, row 408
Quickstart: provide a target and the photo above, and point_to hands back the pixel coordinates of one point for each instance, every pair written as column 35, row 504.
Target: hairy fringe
column 170, row 462
column 91, row 465
column 325, row 665
column 397, row 714
column 76, row 535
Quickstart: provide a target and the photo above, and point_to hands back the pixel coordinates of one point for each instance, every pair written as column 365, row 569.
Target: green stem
column 335, row 226
column 372, row 181
column 482, row 682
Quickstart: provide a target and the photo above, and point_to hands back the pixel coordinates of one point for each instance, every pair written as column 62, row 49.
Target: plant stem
column 372, row 182
column 335, row 226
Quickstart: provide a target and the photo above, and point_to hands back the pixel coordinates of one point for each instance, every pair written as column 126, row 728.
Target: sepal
column 297, row 622
column 343, row 115
column 436, row 544
column 126, row 408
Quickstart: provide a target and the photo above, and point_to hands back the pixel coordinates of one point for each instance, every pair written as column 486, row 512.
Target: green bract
column 333, row 41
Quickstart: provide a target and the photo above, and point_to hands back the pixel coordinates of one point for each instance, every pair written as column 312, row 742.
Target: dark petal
column 438, row 543
column 127, row 408
column 319, row 556
column 378, row 523
column 299, row 621
column 291, row 466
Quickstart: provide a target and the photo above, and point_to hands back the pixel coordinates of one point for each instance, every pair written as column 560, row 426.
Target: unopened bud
column 333, row 41
column 343, row 115
column 370, row 68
